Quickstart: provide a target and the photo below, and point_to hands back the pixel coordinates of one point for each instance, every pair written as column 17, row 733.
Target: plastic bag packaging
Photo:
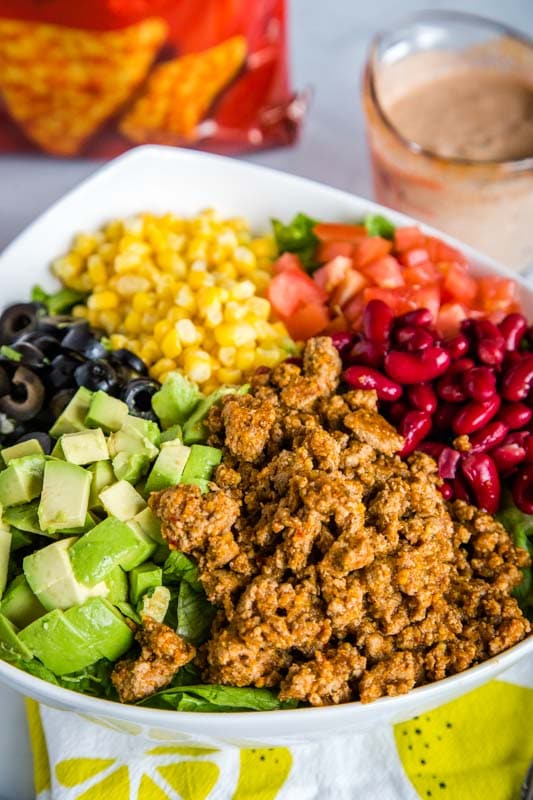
column 94, row 77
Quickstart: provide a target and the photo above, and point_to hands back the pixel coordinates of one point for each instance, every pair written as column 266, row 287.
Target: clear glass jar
column 486, row 203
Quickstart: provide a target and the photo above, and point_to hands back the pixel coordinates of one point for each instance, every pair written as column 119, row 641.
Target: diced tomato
column 385, row 272
column 450, row 317
column 353, row 311
column 440, row 251
column 307, row 321
column 370, row 249
column 325, row 251
column 408, row 237
column 338, row 323
column 337, row 232
column 331, row 274
column 397, row 299
column 458, row 284
column 423, row 273
column 292, row 289
column 413, row 257
column 287, row 261
column 495, row 294
column 352, row 283
column 427, row 297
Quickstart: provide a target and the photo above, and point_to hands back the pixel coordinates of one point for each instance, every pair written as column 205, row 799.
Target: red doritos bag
column 94, row 77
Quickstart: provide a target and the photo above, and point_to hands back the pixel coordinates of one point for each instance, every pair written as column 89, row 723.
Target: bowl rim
column 21, row 681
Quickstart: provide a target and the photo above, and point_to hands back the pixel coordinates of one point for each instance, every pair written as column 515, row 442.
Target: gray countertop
column 329, row 41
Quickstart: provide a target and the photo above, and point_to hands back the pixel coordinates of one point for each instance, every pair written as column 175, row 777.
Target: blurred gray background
column 329, row 41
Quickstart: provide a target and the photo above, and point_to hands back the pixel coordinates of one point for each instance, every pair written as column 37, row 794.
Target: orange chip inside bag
column 61, row 84
column 180, row 93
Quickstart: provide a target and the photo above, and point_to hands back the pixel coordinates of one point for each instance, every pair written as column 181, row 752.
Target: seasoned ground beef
column 340, row 571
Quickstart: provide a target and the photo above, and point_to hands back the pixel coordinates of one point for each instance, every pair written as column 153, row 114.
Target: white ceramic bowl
column 161, row 179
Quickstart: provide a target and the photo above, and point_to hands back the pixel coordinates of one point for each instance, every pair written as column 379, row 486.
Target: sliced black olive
column 5, row 383
column 128, row 359
column 59, row 325
column 49, row 346
column 138, row 395
column 62, row 371
column 17, row 319
column 43, row 439
column 77, row 337
column 96, row 375
column 60, row 401
column 26, row 397
column 31, row 356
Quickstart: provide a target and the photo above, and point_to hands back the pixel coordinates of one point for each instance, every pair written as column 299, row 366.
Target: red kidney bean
column 528, row 444
column 490, row 352
column 367, row 378
column 474, row 416
column 416, row 367
column 377, row 321
column 522, row 489
column 449, row 387
column 457, row 347
column 421, row 317
column 402, row 336
column 517, row 437
column 422, row 397
column 507, row 457
column 443, row 416
column 488, row 437
column 448, row 461
column 370, row 353
column 421, row 340
column 485, row 329
column 433, row 449
column 513, row 328
column 414, row 427
column 515, row 415
column 512, row 357
column 479, row 383
column 460, row 490
column 481, row 476
column 529, row 335
column 446, row 491
column 342, row 340
column 518, row 380
column 396, row 412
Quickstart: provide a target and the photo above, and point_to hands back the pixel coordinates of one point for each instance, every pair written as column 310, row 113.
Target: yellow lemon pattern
column 263, row 772
column 475, row 748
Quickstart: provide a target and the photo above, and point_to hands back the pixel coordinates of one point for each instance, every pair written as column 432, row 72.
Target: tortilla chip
column 180, row 92
column 60, row 84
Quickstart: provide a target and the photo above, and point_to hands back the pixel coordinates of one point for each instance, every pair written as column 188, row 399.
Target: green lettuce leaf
column 177, row 568
column 297, row 237
column 59, row 302
column 195, row 614
column 216, row 698
column 376, row 225
column 520, row 527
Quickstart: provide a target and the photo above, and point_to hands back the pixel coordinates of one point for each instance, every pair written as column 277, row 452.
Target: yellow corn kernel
column 210, row 386
column 148, row 320
column 133, row 322
column 242, row 290
column 261, row 278
column 96, row 269
column 227, row 375
column 265, row 331
column 162, row 308
column 244, row 259
column 85, row 244
column 114, row 229
column 128, row 285
column 161, row 329
column 268, row 357
column 264, row 247
column 213, row 315
column 235, row 334
column 226, row 271
column 234, row 312
column 67, row 266
column 172, row 263
column 197, row 365
column 103, row 301
column 175, row 314
column 142, row 301
column 199, row 278
column 226, row 356
column 80, row 311
column 245, row 358
column 280, row 329
column 185, row 298
column 118, row 340
column 164, row 375
column 81, row 283
column 109, row 320
column 150, row 352
column 187, row 331
column 197, row 249
column 161, row 366
column 171, row 345
column 133, row 225
column 259, row 307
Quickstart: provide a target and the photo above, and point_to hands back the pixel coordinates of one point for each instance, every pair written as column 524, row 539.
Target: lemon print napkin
column 477, row 747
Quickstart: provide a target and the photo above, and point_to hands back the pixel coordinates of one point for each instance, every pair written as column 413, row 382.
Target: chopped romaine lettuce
column 377, row 225
column 298, row 237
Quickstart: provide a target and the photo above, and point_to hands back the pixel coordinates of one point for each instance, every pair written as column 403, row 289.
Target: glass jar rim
column 508, row 165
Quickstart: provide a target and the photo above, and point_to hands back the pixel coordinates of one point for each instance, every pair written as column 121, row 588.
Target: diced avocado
column 122, row 501
column 103, row 476
column 136, row 437
column 22, row 480
column 24, row 517
column 10, row 639
column 144, row 548
column 149, row 524
column 31, row 447
column 65, row 496
column 127, row 610
column 161, row 554
column 130, row 466
column 155, row 603
column 168, row 466
column 89, row 523
column 57, row 451
column 142, row 578
column 57, row 643
column 95, row 554
column 85, row 447
column 171, row 434
column 72, row 418
column 19, row 604
column 145, row 427
column 19, row 539
column 200, row 465
column 194, row 429
column 176, row 400
column 117, row 584
column 5, row 549
column 51, row 577
column 106, row 412
column 101, row 626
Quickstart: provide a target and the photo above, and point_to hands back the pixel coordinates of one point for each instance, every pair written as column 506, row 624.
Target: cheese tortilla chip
column 180, row 92
column 60, row 84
